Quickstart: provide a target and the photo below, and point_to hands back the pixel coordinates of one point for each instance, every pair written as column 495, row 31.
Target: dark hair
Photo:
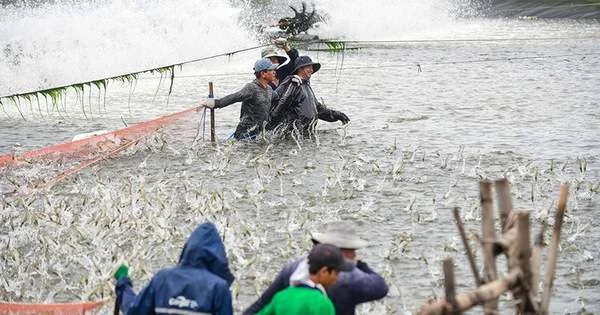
column 329, row 256
column 312, row 269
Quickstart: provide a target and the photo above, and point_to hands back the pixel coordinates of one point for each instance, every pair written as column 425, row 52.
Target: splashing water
column 64, row 43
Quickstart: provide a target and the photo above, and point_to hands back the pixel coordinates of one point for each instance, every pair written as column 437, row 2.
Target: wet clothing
column 286, row 70
column 199, row 284
column 302, row 299
column 352, row 288
column 254, row 114
column 298, row 108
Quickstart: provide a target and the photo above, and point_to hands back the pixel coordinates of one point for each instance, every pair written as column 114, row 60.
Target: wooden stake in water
column 489, row 236
column 212, row 114
column 504, row 201
column 450, row 284
column 469, row 252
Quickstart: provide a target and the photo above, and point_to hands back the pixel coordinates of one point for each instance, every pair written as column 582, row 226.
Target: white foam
column 68, row 43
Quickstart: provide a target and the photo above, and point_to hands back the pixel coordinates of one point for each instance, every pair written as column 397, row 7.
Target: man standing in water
column 256, row 97
column 360, row 285
column 298, row 108
column 199, row 284
column 308, row 296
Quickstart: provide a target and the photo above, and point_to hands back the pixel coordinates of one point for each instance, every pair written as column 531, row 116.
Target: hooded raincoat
column 198, row 285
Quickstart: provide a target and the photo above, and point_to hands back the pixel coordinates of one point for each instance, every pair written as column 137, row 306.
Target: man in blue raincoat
column 199, row 284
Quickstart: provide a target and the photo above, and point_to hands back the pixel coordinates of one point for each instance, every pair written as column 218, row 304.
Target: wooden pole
column 449, row 283
column 504, row 201
column 463, row 236
column 523, row 294
column 489, row 236
column 211, row 94
column 553, row 251
column 486, row 292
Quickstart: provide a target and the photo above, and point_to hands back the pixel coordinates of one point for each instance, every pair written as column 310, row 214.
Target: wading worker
column 199, row 284
column 298, row 108
column 256, row 97
column 360, row 285
column 308, row 296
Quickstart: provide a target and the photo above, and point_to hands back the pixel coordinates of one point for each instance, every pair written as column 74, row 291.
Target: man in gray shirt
column 256, row 97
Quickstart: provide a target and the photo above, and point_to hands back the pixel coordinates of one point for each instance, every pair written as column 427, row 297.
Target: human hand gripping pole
column 208, row 103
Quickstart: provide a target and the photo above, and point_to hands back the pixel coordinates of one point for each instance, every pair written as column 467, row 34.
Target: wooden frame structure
column 523, row 260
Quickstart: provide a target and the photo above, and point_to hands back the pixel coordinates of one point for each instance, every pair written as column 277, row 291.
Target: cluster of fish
column 64, row 243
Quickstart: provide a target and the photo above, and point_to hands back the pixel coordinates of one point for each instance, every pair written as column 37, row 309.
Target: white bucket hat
column 341, row 234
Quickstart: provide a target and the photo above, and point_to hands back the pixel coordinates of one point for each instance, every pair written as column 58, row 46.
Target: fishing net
column 100, row 145
column 55, row 309
column 49, row 165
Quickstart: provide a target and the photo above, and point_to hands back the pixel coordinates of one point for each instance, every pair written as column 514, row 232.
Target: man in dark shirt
column 298, row 108
column 360, row 285
column 256, row 97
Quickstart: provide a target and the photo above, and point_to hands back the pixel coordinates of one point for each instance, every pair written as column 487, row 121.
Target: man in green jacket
column 325, row 261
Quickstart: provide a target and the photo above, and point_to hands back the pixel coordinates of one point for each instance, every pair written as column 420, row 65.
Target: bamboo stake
column 449, row 283
column 489, row 236
column 463, row 237
column 486, row 292
column 504, row 201
column 525, row 304
column 212, row 115
column 553, row 252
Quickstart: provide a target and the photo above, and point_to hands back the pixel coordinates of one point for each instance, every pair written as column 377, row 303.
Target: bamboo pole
column 486, row 292
column 449, row 283
column 470, row 257
column 489, row 236
column 504, row 201
column 211, row 94
column 553, row 252
column 522, row 292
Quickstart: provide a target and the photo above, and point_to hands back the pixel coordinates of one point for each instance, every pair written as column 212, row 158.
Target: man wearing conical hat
column 360, row 285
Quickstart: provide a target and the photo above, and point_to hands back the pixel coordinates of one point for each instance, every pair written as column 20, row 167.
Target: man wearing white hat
column 360, row 285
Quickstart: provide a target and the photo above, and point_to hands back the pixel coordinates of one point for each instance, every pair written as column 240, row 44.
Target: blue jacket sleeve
column 125, row 294
column 281, row 282
column 144, row 301
column 223, row 301
column 368, row 286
